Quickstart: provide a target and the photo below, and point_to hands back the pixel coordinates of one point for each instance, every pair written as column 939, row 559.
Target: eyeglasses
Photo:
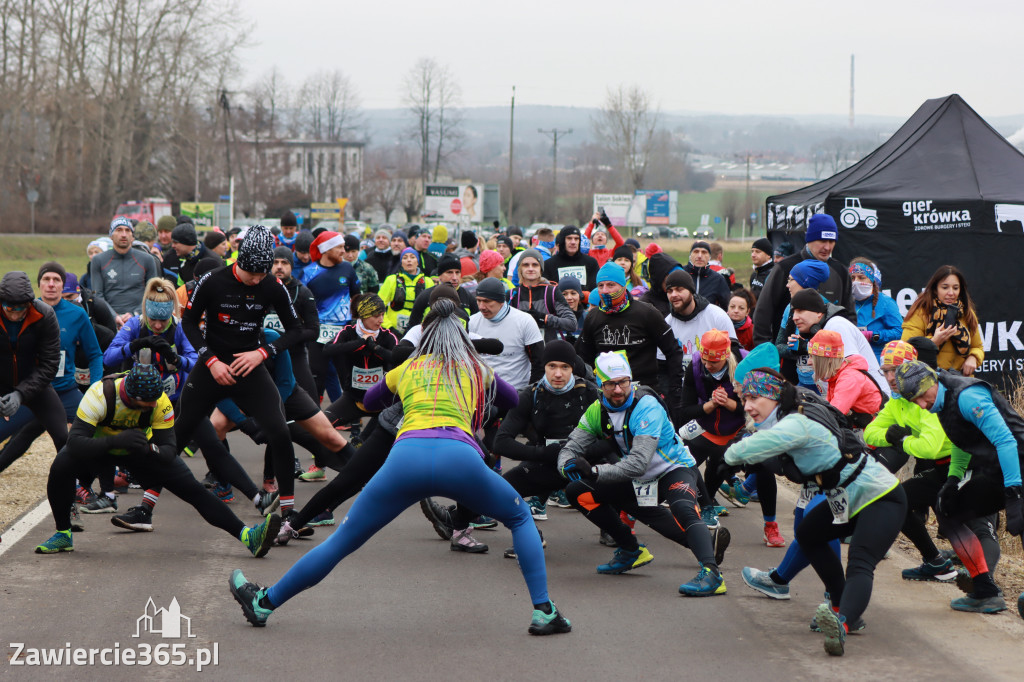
column 609, row 385
column 15, row 308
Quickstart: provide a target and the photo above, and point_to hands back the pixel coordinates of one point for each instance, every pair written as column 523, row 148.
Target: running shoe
column 720, row 539
column 510, row 553
column 856, row 626
column 721, row 511
column 553, row 623
column 538, row 508
column 209, row 481
column 121, row 482
column 138, row 518
column 772, row 536
column 260, row 538
column 101, row 505
column 266, row 502
column 973, row 604
column 287, row 533
column 76, row 520
column 607, row 540
column 484, row 523
column 943, row 572
column 559, row 499
column 463, row 541
column 58, row 542
column 709, row 517
column 324, row 518
column 761, row 581
column 964, row 581
column 224, row 492
column 84, row 495
column 754, row 497
column 735, row 493
column 833, row 626
column 248, row 596
column 708, row 582
column 314, row 475
column 270, row 485
column 626, row 560
column 440, row 517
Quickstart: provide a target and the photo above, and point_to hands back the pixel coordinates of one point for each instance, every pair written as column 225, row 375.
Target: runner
column 540, row 298
column 444, row 389
column 400, row 290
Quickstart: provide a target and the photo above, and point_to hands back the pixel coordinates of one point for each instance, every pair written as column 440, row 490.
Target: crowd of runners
column 573, row 368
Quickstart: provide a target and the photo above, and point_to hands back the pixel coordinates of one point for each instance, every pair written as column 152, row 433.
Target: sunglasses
column 15, row 308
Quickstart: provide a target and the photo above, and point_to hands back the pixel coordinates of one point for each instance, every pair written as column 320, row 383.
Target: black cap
column 468, row 239
column 288, row 219
column 283, row 253
column 52, row 266
column 351, row 242
column 927, row 351
column 448, row 262
column 303, row 240
column 679, row 278
column 763, row 244
column 808, row 299
column 184, row 233
column 492, row 289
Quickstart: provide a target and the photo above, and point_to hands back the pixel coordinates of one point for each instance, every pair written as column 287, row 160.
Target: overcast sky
column 730, row 56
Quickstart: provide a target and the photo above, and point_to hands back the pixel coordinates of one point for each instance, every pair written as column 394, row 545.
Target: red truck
column 150, row 209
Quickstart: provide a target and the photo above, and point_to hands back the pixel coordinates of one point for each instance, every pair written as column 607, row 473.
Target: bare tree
column 331, row 107
column 432, row 96
column 626, row 123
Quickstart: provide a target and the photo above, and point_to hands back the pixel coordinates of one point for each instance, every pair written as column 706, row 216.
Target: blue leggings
column 795, row 559
column 415, row 469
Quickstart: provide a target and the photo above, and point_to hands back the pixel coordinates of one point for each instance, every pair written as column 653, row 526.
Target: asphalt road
column 405, row 607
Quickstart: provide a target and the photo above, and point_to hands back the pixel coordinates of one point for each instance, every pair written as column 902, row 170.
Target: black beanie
column 143, row 382
column 808, row 299
column 491, row 288
column 468, row 239
column 559, row 351
column 763, row 244
column 514, row 230
column 52, row 266
column 507, row 241
column 303, row 240
column 283, row 253
column 351, row 242
column 679, row 278
column 205, row 265
column 256, row 252
column 699, row 244
column 288, row 219
column 448, row 262
column 184, row 233
column 211, row 239
column 927, row 351
column 623, row 252
column 443, row 291
column 182, row 219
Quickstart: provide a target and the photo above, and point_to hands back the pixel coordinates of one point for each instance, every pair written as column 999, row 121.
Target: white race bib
column 328, row 332
column 690, row 430
column 365, row 379
column 272, row 321
column 60, row 367
column 82, row 376
column 577, row 271
column 170, row 385
column 646, row 492
column 838, row 504
column 806, row 494
column 403, row 322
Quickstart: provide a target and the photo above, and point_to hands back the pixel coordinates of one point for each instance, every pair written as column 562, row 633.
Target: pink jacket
column 603, row 254
column 852, row 390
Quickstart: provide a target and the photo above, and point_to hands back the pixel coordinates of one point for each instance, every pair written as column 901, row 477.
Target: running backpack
column 110, row 396
column 549, row 298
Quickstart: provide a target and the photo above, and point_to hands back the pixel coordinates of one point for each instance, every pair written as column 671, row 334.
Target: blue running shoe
column 706, row 583
column 709, row 516
column 260, row 538
column 58, row 542
column 973, row 604
column 761, row 581
column 735, row 493
column 224, row 492
column 248, row 596
column 559, row 499
column 833, row 626
column 324, row 518
column 553, row 623
column 485, row 523
column 626, row 560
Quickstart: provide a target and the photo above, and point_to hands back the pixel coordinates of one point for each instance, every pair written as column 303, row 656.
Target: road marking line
column 23, row 525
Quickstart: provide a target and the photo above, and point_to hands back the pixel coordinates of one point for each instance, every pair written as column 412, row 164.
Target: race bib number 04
column 272, row 321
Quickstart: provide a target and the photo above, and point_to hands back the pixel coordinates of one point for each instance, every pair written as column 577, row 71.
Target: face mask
column 862, row 290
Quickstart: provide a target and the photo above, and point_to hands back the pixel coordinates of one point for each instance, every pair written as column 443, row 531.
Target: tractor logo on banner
column 853, row 214
column 1009, row 213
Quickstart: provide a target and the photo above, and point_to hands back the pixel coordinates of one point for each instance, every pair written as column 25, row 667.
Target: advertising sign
column 453, row 203
column 624, row 210
column 662, row 206
column 201, row 213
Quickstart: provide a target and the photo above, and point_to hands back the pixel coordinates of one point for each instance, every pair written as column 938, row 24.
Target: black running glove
column 1014, row 510
column 895, row 434
column 138, row 344
column 947, row 494
column 134, row 441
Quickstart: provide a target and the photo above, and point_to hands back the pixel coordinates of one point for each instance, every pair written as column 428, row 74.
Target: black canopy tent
column 946, row 188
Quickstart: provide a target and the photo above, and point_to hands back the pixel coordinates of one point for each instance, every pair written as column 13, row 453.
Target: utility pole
column 554, row 133
column 511, row 133
column 851, row 90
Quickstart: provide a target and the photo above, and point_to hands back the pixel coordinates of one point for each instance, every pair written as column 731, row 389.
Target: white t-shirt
column 689, row 333
column 414, row 335
column 854, row 343
column 517, row 331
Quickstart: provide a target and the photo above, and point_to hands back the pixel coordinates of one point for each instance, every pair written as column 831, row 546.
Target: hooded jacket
column 851, row 390
column 578, row 265
column 655, row 269
column 28, row 363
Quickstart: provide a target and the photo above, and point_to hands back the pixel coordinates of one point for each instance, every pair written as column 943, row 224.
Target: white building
column 324, row 170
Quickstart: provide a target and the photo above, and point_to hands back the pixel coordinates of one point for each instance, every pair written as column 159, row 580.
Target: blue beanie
column 810, row 273
column 612, row 272
column 765, row 355
column 821, row 226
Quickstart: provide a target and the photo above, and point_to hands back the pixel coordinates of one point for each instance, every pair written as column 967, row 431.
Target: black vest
column 966, row 435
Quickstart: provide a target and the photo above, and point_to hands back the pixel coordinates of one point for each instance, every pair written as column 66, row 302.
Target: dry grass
column 23, row 484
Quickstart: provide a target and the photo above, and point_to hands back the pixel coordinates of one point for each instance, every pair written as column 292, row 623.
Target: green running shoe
column 58, row 542
column 626, row 560
column 705, row 584
column 553, row 623
column 833, row 626
column 248, row 596
column 260, row 538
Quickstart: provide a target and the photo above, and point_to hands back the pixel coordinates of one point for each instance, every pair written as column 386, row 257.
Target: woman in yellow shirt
column 944, row 312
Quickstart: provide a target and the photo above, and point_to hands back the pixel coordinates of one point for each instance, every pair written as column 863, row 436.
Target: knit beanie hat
column 534, row 254
column 700, row 244
column 612, row 365
column 143, row 382
column 145, row 231
column 256, row 252
column 120, row 222
column 166, row 223
column 764, row 245
column 288, row 219
column 489, row 260
column 826, row 344
column 611, row 272
column 896, row 353
column 679, row 278
column 401, row 235
column 468, row 239
column 439, row 234
column 570, row 282
column 714, row 345
column 634, row 243
column 507, row 241
column 444, row 290
column 370, row 305
column 652, row 249
column 283, row 253
column 623, row 252
column 763, row 355
column 303, row 240
column 326, row 241
column 70, row 284
column 352, row 242
column 810, row 273
column 213, row 239
column 205, row 265
column 184, row 233
column 808, row 299
column 448, row 262
column 491, row 288
column 52, row 266
column 914, row 378
column 381, row 231
column 821, row 226
column 927, row 351
column 559, row 351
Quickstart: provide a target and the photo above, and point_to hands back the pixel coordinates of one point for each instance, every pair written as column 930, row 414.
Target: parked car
column 330, row 226
column 657, row 232
column 704, row 233
column 681, row 232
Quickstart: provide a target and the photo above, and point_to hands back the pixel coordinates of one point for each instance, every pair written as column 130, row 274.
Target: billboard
column 624, row 210
column 662, row 206
column 201, row 213
column 453, row 203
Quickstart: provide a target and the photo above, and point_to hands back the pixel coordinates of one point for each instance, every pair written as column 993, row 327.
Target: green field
column 692, row 205
column 28, row 253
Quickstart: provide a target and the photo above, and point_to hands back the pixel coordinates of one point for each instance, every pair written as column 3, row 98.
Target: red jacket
column 745, row 334
column 603, row 254
column 850, row 389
